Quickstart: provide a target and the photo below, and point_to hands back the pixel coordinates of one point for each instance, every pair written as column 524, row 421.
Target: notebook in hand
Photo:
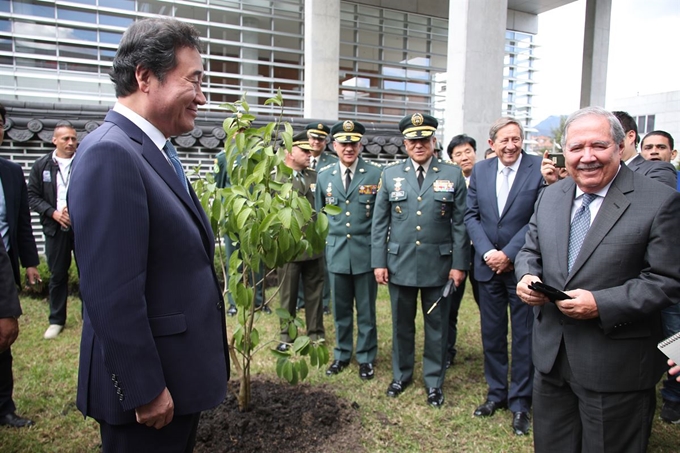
column 671, row 347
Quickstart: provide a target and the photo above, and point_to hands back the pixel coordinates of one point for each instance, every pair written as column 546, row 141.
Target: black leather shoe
column 326, row 311
column 450, row 357
column 488, row 408
column 232, row 311
column 15, row 421
column 366, row 371
column 396, row 387
column 266, row 309
column 282, row 347
column 520, row 423
column 336, row 367
column 435, row 397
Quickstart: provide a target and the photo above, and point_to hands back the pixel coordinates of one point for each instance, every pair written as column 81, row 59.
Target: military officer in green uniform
column 222, row 181
column 418, row 243
column 309, row 268
column 318, row 134
column 352, row 184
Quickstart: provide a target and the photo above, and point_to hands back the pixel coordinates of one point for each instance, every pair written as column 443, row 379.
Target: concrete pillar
column 249, row 69
column 595, row 53
column 474, row 84
column 322, row 59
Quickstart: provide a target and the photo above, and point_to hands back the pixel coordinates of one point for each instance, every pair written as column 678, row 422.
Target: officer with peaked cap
column 419, row 243
column 308, row 269
column 317, row 134
column 351, row 183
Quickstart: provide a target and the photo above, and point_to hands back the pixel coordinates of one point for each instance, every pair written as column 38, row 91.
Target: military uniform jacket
column 305, row 190
column 349, row 233
column 325, row 159
column 418, row 233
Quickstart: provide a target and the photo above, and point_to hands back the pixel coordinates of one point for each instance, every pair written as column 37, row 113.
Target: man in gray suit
column 603, row 236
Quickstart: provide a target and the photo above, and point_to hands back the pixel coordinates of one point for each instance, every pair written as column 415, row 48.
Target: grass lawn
column 46, row 373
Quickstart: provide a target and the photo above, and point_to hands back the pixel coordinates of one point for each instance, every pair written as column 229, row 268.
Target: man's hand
column 9, row 331
column 499, row 262
column 381, row 275
column 551, row 173
column 582, row 306
column 457, row 276
column 527, row 295
column 158, row 412
column 32, row 275
column 675, row 369
column 62, row 218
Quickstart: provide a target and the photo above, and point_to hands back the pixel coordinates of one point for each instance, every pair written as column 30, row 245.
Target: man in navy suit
column 153, row 350
column 500, row 202
column 18, row 240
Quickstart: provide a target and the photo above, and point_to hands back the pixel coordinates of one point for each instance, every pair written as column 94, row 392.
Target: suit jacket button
column 219, row 305
column 419, row 198
column 349, row 236
column 418, row 228
column 347, row 225
column 417, row 242
column 347, row 213
column 346, row 201
column 418, row 213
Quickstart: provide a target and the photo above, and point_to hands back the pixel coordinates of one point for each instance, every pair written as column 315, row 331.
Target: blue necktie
column 176, row 164
column 579, row 228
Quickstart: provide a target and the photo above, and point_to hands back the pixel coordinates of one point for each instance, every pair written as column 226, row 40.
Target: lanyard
column 66, row 181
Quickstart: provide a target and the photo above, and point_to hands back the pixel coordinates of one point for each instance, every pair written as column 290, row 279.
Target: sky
column 643, row 53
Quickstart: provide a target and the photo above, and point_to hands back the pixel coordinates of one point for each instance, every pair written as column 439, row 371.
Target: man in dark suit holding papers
column 604, row 237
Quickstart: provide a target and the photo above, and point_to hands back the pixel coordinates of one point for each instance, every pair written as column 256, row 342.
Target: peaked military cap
column 348, row 131
column 418, row 125
column 318, row 130
column 302, row 141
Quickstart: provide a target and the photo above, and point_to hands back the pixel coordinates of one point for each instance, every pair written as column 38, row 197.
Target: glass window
column 128, row 5
column 110, row 38
column 5, row 26
column 114, row 20
column 650, row 123
column 76, row 15
column 32, row 8
column 35, row 47
column 76, row 34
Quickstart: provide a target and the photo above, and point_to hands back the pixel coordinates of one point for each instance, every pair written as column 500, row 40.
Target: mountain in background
column 546, row 126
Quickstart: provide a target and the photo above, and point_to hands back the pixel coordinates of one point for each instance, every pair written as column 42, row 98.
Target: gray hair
column 151, row 44
column 500, row 123
column 615, row 129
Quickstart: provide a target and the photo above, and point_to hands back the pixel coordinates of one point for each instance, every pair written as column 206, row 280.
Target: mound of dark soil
column 283, row 418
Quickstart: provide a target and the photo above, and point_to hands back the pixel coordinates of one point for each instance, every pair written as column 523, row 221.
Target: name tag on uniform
column 47, row 176
column 330, row 200
column 396, row 195
column 443, row 185
column 368, row 190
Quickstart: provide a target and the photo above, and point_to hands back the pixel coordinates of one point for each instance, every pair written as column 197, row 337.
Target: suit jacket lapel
column 165, row 170
column 430, row 176
column 521, row 176
column 358, row 178
column 613, row 207
column 337, row 179
column 562, row 219
column 410, row 175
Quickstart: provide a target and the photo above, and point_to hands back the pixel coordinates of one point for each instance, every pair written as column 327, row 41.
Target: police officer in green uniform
column 222, row 181
column 419, row 242
column 318, row 134
column 309, row 268
column 352, row 184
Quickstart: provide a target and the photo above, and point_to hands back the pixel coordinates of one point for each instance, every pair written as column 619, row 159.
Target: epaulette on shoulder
column 446, row 162
column 375, row 164
column 396, row 162
column 325, row 167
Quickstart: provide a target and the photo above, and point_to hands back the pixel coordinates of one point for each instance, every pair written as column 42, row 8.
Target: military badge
column 417, row 119
column 443, row 185
column 368, row 189
column 397, row 184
